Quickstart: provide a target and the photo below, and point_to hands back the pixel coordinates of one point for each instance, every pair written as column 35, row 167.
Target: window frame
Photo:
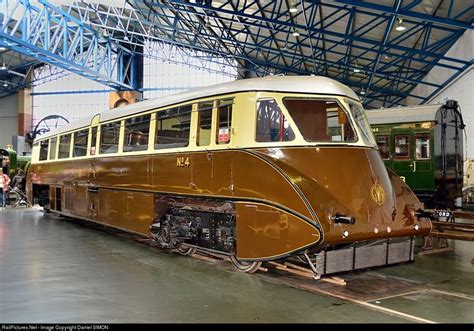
column 395, row 157
column 198, row 124
column 86, row 131
column 101, row 134
column 130, row 149
column 229, row 108
column 389, row 145
column 285, row 114
column 419, row 135
column 155, row 145
column 43, row 143
column 341, row 105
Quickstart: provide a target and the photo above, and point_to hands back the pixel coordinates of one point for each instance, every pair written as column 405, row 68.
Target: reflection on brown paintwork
column 286, row 198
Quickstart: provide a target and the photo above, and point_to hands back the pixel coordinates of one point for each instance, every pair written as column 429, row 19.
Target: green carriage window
column 109, row 137
column 422, row 147
column 44, row 150
column 137, row 131
column 224, row 118
column 172, row 127
column 52, row 148
column 384, row 146
column 80, row 143
column 272, row 125
column 204, row 123
column 64, row 146
column 402, row 147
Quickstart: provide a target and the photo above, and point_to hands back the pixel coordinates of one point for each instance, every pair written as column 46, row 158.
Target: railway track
column 367, row 289
column 453, row 230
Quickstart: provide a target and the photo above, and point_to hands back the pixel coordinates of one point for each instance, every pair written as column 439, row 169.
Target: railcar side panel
column 265, row 232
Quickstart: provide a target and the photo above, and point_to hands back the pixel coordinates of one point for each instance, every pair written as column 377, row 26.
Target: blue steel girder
column 253, row 47
column 406, row 12
column 157, row 18
column 53, row 36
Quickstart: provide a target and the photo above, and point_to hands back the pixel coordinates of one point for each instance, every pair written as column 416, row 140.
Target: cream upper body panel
column 245, row 95
column 290, row 84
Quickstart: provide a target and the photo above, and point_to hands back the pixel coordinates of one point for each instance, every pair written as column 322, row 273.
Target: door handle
column 413, row 166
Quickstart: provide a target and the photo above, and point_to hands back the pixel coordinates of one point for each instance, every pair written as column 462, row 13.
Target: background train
column 424, row 146
column 257, row 169
column 11, row 162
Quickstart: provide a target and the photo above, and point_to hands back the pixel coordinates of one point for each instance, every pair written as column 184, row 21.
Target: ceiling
column 355, row 42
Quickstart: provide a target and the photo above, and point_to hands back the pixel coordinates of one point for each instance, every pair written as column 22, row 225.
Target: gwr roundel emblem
column 377, row 193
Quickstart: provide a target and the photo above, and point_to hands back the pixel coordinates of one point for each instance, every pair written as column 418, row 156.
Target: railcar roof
column 410, row 114
column 292, row 84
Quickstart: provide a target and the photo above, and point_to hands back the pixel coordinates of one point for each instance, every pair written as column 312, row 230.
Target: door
column 422, row 163
column 403, row 157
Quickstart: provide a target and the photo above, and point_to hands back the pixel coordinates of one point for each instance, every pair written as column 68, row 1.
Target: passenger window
column 384, row 146
column 52, row 148
column 402, row 147
column 80, row 143
column 172, row 127
column 204, row 123
column 224, row 124
column 320, row 120
column 422, row 147
column 137, row 131
column 109, row 137
column 93, row 140
column 64, row 146
column 44, row 150
column 271, row 123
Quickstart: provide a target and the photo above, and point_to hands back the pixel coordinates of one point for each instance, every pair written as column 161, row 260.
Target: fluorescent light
column 295, row 33
column 2, row 48
column 5, row 85
column 362, row 92
column 3, row 67
column 293, row 9
column 356, row 70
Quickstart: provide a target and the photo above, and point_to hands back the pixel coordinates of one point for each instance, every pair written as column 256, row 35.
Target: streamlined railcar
column 258, row 169
column 424, row 146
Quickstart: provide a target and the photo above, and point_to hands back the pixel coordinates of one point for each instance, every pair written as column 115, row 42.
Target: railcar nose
column 359, row 188
column 352, row 194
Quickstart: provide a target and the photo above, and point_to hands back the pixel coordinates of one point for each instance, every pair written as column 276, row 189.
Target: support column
column 133, row 76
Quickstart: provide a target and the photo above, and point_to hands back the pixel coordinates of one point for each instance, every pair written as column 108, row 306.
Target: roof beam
column 405, row 12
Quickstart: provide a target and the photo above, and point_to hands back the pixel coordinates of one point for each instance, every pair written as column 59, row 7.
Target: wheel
column 249, row 267
column 184, row 249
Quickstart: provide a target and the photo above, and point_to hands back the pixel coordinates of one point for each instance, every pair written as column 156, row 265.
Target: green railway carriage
column 424, row 146
column 11, row 162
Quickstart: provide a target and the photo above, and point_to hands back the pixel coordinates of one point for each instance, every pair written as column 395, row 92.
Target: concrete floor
column 52, row 270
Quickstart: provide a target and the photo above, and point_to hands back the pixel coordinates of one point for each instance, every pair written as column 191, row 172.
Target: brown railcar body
column 273, row 182
column 288, row 208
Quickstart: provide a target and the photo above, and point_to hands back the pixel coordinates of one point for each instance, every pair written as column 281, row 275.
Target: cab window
column 402, row 147
column 44, row 150
column 80, row 143
column 136, row 133
column 422, row 147
column 204, row 123
column 64, row 146
column 109, row 137
column 224, row 118
column 384, row 146
column 172, row 127
column 272, row 125
column 320, row 120
column 52, row 148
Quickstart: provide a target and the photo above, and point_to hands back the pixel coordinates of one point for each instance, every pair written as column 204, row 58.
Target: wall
column 460, row 89
column 8, row 119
